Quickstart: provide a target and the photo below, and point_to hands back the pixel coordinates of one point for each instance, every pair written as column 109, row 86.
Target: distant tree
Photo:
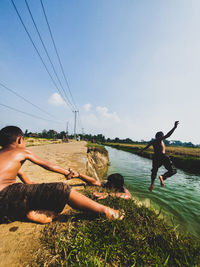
column 61, row 135
column 44, row 134
column 26, row 133
column 117, row 140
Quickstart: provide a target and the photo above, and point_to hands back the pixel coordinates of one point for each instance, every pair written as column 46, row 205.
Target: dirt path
column 19, row 240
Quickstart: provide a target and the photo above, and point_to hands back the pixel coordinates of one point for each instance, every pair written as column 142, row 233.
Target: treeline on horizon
column 100, row 138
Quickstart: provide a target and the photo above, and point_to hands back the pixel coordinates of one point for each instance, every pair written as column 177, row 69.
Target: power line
column 26, row 113
column 15, row 93
column 20, row 18
column 45, row 49
column 56, row 50
column 59, row 60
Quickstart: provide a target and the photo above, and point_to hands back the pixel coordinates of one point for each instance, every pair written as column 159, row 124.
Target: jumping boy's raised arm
column 171, row 131
column 45, row 164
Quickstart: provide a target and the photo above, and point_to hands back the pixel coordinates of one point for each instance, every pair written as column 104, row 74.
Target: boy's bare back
column 158, row 146
column 11, row 160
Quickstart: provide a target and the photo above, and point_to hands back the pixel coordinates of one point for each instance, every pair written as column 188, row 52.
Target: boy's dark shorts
column 18, row 199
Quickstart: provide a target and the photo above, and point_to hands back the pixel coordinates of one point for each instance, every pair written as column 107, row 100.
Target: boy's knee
column 173, row 171
column 154, row 172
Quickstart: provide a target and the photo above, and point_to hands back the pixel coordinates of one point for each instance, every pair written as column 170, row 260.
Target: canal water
column 178, row 201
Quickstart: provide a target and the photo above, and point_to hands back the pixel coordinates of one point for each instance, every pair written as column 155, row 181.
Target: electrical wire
column 45, row 49
column 26, row 113
column 18, row 95
column 56, row 50
column 59, row 60
column 20, row 18
column 45, row 66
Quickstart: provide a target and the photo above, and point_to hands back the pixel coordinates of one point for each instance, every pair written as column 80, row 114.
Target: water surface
column 179, row 199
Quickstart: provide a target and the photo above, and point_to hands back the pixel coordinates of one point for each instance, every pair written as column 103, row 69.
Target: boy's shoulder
column 16, row 151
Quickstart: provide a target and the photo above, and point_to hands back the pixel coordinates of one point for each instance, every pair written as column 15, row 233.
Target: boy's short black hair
column 9, row 134
column 159, row 134
column 115, row 181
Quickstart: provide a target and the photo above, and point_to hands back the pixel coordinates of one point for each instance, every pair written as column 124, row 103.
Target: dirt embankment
column 97, row 164
column 20, row 241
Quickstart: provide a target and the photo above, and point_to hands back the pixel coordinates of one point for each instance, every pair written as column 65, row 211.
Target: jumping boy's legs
column 170, row 169
column 79, row 202
column 156, row 165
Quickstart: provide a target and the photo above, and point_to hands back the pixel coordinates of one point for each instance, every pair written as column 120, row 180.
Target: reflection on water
column 180, row 198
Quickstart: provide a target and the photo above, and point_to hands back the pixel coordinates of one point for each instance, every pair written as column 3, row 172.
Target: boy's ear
column 19, row 140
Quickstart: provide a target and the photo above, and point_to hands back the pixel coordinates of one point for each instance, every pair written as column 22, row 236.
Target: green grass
column 96, row 147
column 141, row 239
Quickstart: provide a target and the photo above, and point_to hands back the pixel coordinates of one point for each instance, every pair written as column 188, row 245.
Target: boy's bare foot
column 41, row 216
column 161, row 181
column 150, row 188
column 112, row 214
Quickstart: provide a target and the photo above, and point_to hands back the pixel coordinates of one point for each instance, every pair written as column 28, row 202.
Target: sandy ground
column 20, row 240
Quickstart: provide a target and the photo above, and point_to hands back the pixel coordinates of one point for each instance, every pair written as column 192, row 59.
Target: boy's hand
column 72, row 174
column 176, row 124
column 69, row 175
column 99, row 195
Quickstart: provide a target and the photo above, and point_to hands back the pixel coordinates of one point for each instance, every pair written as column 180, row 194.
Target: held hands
column 72, row 174
column 176, row 124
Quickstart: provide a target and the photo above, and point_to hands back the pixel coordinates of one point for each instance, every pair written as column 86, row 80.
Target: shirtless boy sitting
column 114, row 182
column 160, row 158
column 36, row 202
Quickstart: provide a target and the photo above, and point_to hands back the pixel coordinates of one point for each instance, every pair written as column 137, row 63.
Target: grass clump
column 141, row 239
column 96, row 148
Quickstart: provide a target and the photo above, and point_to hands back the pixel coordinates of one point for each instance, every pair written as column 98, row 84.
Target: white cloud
column 56, row 100
column 101, row 121
column 87, row 107
column 104, row 112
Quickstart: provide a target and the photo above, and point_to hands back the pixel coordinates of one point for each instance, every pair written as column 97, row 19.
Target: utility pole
column 75, row 114
column 82, row 133
column 67, row 123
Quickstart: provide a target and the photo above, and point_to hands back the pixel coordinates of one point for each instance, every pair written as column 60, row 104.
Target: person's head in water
column 159, row 135
column 115, row 181
column 9, row 135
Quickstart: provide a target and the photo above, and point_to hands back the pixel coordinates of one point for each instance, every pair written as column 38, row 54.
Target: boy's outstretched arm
column 45, row 164
column 171, row 131
column 86, row 178
column 147, row 146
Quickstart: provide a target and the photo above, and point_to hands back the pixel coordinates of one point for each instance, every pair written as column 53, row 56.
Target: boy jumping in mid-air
column 36, row 202
column 160, row 158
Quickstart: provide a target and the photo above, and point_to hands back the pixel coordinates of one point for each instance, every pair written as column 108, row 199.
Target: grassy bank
column 141, row 239
column 187, row 159
column 96, row 147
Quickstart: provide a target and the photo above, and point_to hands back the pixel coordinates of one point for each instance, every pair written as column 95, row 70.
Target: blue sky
column 132, row 66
